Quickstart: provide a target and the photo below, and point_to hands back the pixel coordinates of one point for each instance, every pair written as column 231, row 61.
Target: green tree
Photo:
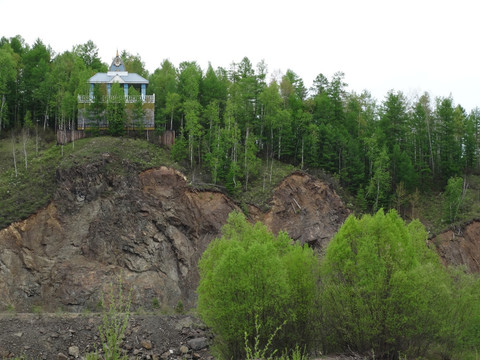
column 137, row 116
column 232, row 143
column 384, row 290
column 248, row 275
column 213, row 88
column 116, row 114
column 70, row 79
column 379, row 186
column 393, row 120
column 37, row 81
column 449, row 147
column 163, row 82
column 172, row 103
column 7, row 76
column 251, row 163
column 193, row 129
column 424, row 130
column 97, row 107
column 88, row 52
column 189, row 79
column 134, row 64
column 453, row 197
column 474, row 118
column 470, row 143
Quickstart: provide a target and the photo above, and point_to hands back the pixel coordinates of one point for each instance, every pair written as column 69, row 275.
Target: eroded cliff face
column 147, row 230
column 460, row 246
column 309, row 210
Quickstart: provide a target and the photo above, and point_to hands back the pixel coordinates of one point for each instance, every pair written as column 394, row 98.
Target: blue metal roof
column 117, row 73
column 129, row 78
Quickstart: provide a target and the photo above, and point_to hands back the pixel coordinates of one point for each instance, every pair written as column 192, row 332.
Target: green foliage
column 31, row 190
column 114, row 323
column 116, row 114
column 461, row 336
column 97, row 108
column 453, row 197
column 155, row 303
column 419, row 142
column 383, row 289
column 179, row 150
column 249, row 275
column 93, row 356
column 37, row 309
column 135, row 120
column 256, row 352
column 179, row 308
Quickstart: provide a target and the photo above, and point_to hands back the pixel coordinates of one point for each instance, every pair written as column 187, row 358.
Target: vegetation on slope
column 250, row 276
column 379, row 292
column 29, row 188
column 383, row 151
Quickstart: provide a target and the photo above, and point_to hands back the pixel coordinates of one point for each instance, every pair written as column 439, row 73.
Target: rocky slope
column 144, row 230
column 73, row 336
column 460, row 246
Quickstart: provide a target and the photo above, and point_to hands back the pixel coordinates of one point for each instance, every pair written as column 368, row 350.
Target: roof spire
column 117, row 64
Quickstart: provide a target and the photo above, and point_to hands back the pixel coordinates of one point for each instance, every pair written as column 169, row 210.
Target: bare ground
column 72, row 336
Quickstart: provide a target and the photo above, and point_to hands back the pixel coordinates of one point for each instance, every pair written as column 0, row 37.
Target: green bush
column 249, row 276
column 114, row 323
column 383, row 289
column 461, row 336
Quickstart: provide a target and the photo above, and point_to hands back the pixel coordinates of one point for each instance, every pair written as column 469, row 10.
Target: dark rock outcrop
column 144, row 230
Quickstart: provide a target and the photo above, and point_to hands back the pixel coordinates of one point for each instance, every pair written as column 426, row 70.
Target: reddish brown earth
column 460, row 246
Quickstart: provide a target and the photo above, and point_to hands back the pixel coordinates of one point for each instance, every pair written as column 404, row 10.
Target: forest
column 385, row 152
column 379, row 290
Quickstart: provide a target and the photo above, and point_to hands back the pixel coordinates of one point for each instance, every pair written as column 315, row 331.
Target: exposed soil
column 146, row 230
column 460, row 246
column 72, row 336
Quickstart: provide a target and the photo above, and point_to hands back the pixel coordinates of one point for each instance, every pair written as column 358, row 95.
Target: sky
column 413, row 46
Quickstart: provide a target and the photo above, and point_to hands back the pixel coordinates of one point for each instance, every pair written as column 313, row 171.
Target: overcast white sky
column 408, row 45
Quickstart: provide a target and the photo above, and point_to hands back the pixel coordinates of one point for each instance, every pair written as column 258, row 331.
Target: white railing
column 129, row 99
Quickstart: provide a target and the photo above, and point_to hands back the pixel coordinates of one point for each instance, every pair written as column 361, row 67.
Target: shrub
column 114, row 323
column 384, row 290
column 249, row 275
column 461, row 336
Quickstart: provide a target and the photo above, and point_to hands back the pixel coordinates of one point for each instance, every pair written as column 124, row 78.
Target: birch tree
column 8, row 74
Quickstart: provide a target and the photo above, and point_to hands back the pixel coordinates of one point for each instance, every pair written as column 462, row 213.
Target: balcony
column 129, row 99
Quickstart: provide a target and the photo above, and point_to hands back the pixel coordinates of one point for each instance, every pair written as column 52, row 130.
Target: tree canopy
column 226, row 118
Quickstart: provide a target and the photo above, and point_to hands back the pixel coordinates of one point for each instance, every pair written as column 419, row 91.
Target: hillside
column 120, row 209
column 115, row 206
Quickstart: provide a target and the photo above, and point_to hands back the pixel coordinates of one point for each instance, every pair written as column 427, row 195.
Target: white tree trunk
column 25, row 136
column 14, row 155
